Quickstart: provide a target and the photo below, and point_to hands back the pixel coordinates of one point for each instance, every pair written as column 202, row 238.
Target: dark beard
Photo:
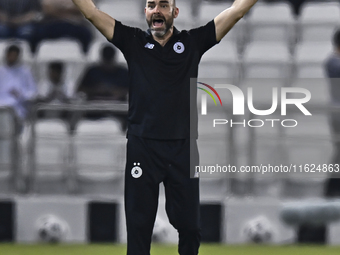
column 160, row 33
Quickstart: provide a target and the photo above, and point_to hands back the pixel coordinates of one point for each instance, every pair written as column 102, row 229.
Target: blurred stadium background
column 78, row 176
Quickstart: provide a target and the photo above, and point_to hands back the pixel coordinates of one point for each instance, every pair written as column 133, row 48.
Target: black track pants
column 150, row 162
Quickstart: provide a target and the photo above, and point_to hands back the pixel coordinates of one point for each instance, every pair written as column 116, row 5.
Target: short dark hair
column 336, row 38
column 56, row 66
column 108, row 53
column 13, row 48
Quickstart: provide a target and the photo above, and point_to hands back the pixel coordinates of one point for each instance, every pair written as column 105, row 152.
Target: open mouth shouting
column 158, row 22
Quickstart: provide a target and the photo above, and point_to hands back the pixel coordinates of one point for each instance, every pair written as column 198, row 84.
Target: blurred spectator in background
column 63, row 19
column 55, row 88
column 17, row 86
column 18, row 19
column 332, row 66
column 106, row 81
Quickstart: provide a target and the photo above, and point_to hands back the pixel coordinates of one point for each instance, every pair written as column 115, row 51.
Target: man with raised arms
column 161, row 62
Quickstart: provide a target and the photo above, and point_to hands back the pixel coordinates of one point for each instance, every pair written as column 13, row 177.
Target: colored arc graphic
column 210, row 93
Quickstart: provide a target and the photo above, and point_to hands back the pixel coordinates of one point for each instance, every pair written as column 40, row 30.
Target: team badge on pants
column 136, row 171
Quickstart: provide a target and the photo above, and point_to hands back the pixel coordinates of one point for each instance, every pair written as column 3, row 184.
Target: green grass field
column 14, row 249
